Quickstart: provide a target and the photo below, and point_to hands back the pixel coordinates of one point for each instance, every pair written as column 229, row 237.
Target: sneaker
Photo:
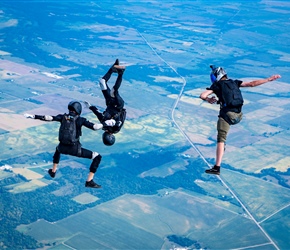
column 52, row 174
column 213, row 170
column 92, row 184
column 115, row 64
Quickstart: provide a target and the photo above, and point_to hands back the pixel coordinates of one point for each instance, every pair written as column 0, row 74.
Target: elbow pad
column 98, row 126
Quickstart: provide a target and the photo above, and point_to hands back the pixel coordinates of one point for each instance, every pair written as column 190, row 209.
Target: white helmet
column 217, row 73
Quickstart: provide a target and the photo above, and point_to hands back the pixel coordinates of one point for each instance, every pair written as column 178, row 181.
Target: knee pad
column 102, row 83
column 95, row 164
column 94, row 155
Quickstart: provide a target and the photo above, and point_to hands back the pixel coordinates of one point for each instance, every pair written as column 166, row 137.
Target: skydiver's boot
column 92, row 184
column 114, row 65
column 52, row 174
column 215, row 170
column 119, row 69
column 107, row 76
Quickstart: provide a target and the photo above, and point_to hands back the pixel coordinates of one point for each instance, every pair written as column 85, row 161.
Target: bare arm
column 205, row 96
column 260, row 81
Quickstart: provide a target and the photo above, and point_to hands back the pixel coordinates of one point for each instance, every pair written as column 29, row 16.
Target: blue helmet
column 217, row 73
column 75, row 106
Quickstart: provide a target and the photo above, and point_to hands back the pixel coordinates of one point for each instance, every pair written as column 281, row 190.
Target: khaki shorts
column 223, row 127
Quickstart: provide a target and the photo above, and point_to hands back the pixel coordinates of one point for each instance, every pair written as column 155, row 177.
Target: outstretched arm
column 97, row 126
column 40, row 117
column 205, row 96
column 97, row 113
column 260, row 81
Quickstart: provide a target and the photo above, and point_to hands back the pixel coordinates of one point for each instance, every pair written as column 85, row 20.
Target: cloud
column 9, row 23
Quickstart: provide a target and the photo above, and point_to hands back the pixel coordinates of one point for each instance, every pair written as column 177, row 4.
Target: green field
column 144, row 221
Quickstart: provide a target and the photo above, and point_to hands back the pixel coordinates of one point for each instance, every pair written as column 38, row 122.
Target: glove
column 110, row 122
column 29, row 116
column 88, row 105
column 48, row 118
column 98, row 126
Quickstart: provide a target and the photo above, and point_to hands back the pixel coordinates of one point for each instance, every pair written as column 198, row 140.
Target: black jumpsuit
column 75, row 149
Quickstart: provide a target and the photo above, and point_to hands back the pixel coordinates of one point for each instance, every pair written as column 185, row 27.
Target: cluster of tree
column 281, row 177
column 185, row 242
column 10, row 214
column 51, row 204
column 27, row 207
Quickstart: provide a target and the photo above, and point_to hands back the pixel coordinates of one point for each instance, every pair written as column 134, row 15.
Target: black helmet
column 217, row 73
column 108, row 139
column 75, row 106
